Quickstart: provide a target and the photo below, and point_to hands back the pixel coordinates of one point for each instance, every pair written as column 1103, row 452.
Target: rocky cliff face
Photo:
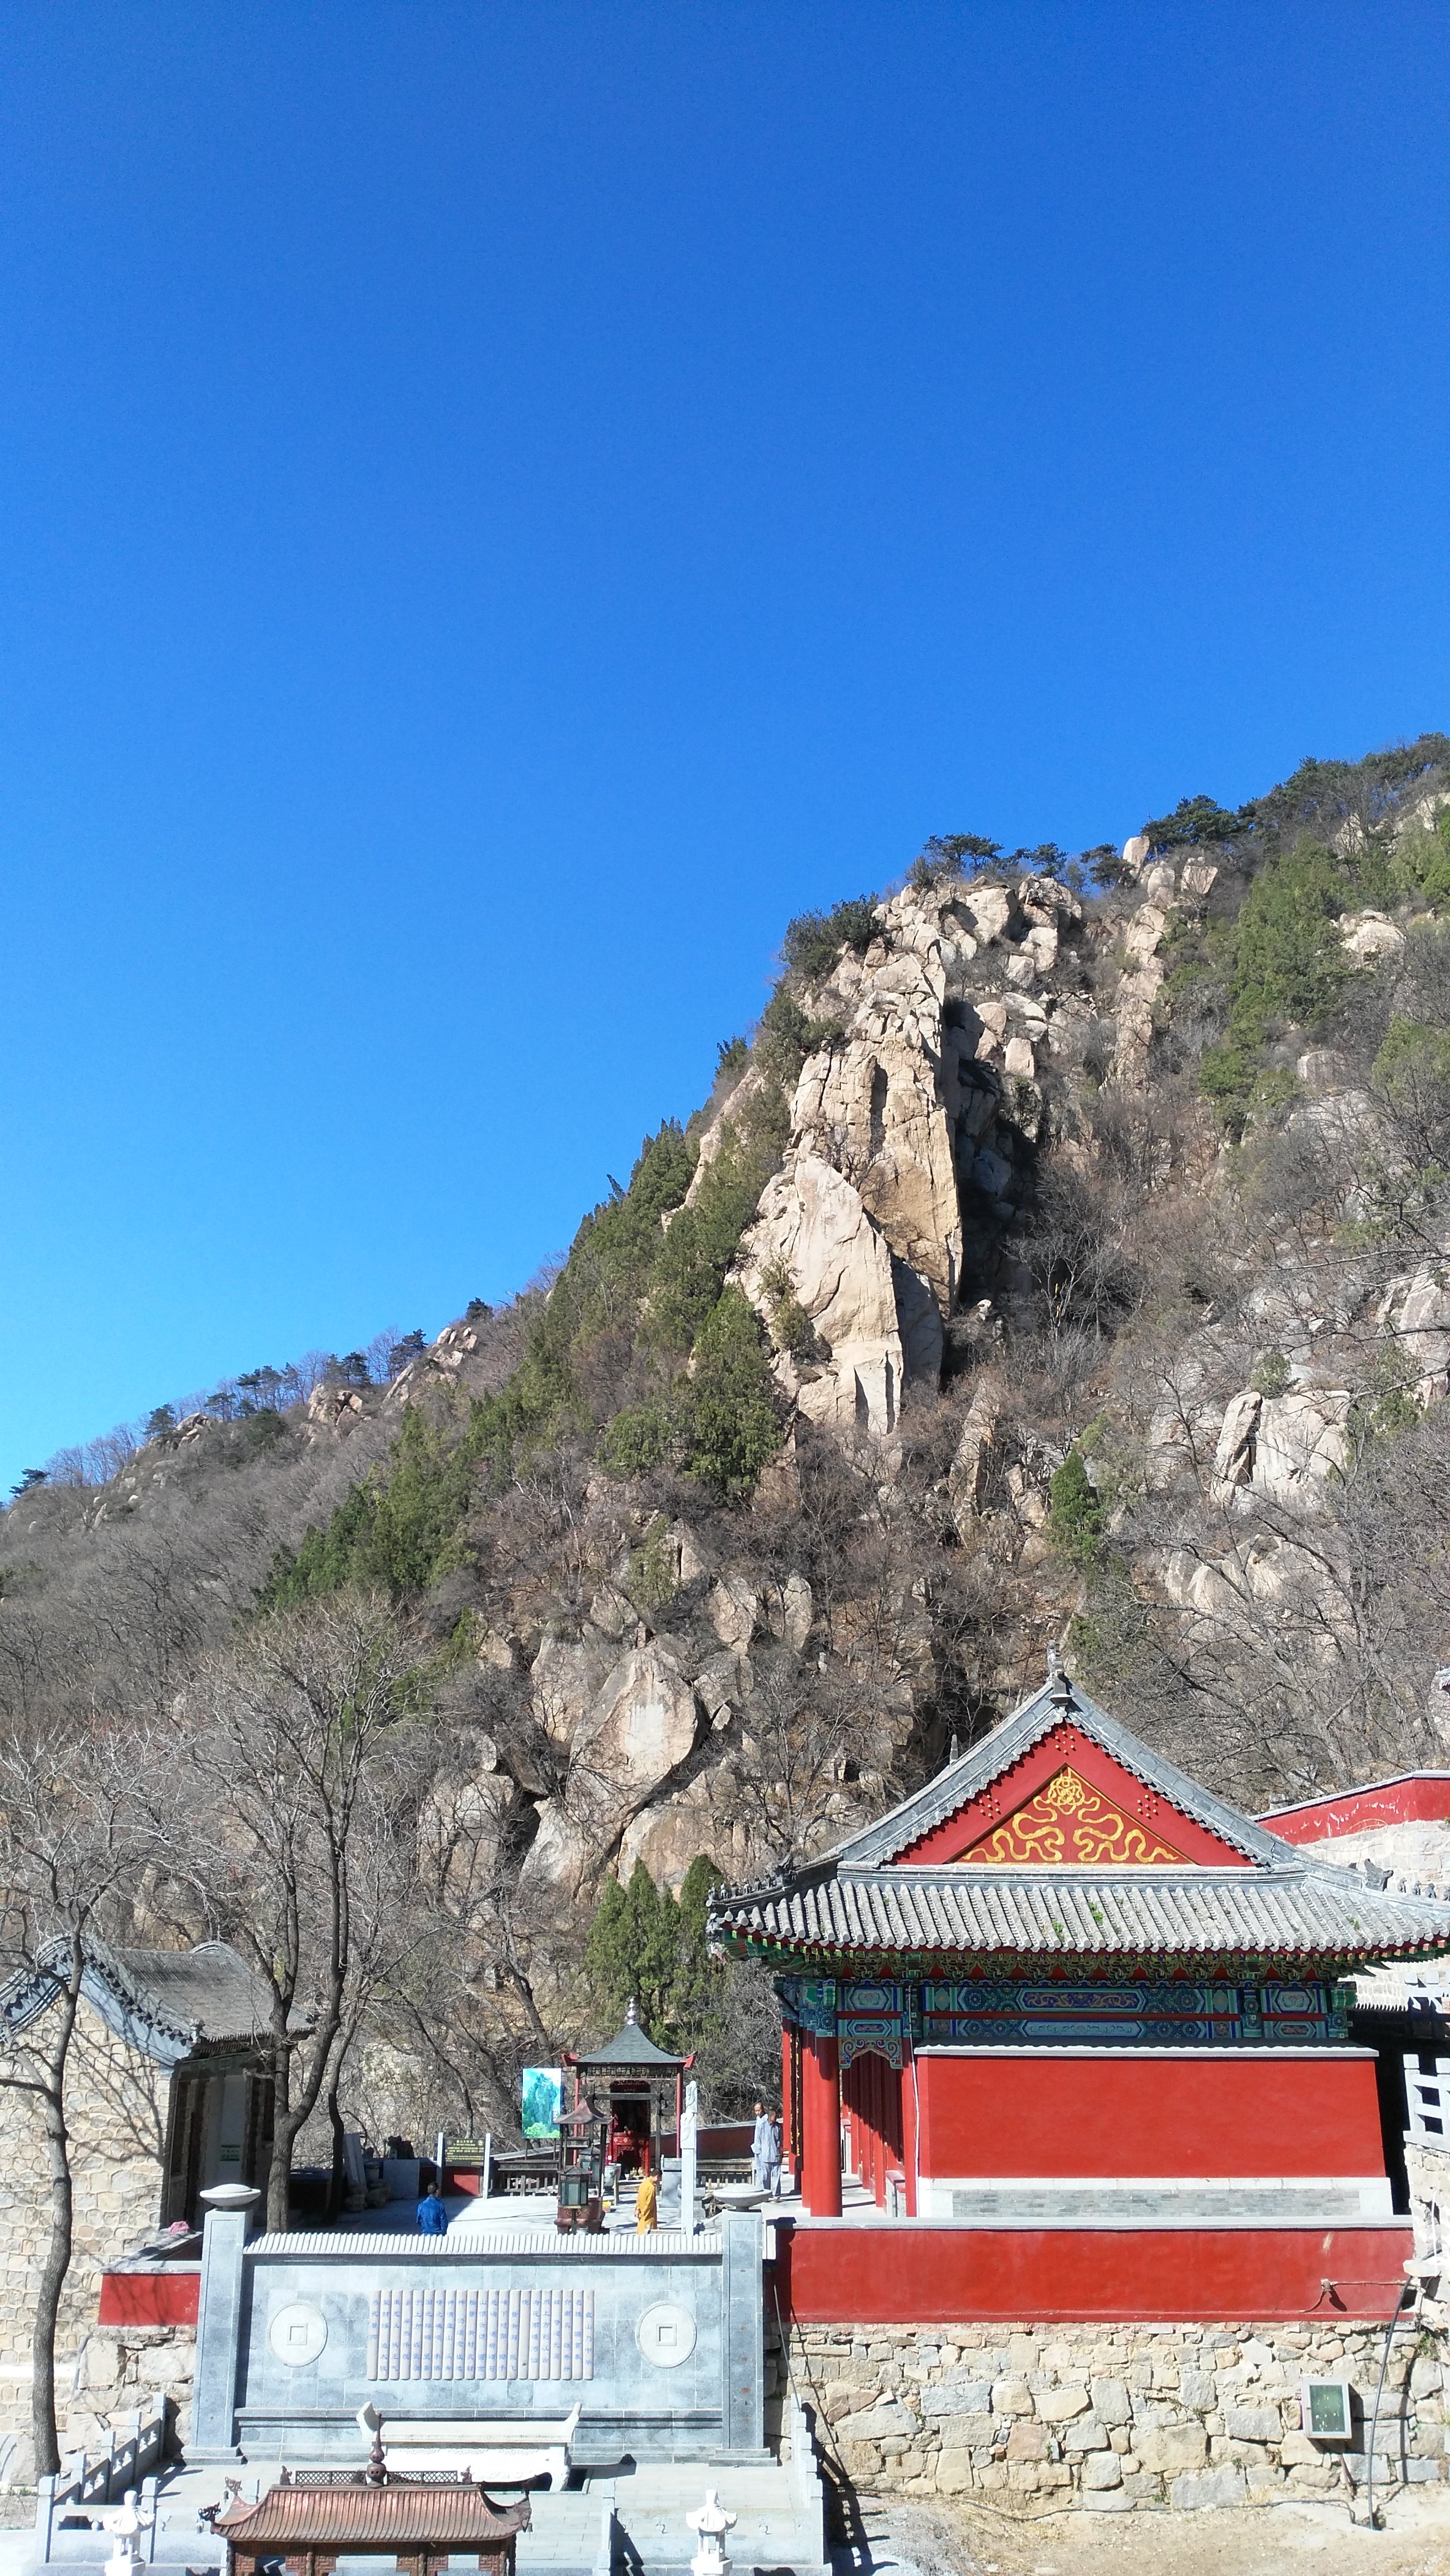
column 699, row 1690
column 913, row 1135
column 1009, row 1241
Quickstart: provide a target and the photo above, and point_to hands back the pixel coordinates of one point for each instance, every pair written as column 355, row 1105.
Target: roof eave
column 804, row 1949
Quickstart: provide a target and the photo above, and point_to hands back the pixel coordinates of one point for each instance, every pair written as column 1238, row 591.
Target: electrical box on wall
column 1326, row 2410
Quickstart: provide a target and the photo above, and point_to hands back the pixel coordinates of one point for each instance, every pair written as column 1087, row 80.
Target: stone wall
column 1109, row 2417
column 116, row 2101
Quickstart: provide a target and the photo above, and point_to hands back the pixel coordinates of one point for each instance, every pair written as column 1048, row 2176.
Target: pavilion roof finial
column 631, row 2017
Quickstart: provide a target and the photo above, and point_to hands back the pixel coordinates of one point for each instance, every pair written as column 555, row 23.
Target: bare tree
column 805, row 1736
column 1078, row 1256
column 299, row 1765
column 78, row 1828
column 471, row 2013
column 1295, row 1642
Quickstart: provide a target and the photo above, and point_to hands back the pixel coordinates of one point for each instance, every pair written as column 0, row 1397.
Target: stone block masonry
column 1104, row 2419
column 116, row 2104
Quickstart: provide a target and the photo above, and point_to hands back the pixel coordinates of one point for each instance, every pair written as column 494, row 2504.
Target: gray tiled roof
column 168, row 2003
column 863, row 1900
column 207, row 1993
column 630, row 2047
column 1302, row 1910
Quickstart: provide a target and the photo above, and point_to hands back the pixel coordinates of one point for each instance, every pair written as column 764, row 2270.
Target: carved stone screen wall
column 659, row 2340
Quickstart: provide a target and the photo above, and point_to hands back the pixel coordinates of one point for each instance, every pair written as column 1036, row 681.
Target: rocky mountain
column 1067, row 1256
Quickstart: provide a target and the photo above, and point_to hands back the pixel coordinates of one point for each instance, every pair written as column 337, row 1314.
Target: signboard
column 543, row 2099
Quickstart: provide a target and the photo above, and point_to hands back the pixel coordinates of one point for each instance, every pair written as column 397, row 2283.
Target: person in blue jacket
column 432, row 2216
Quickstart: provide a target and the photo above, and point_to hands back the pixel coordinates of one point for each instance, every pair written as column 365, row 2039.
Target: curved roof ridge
column 1055, row 1702
column 165, row 2002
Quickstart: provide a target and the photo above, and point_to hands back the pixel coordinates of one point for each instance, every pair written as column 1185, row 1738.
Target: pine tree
column 633, row 1951
column 645, row 1944
column 697, row 1996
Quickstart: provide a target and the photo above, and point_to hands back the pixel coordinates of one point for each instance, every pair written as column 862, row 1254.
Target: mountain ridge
column 1066, row 1257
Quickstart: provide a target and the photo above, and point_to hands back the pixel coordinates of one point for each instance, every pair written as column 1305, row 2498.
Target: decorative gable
column 1070, row 1824
column 1068, row 1803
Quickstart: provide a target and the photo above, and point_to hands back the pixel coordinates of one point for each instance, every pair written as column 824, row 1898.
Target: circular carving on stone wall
column 665, row 2334
column 297, row 2333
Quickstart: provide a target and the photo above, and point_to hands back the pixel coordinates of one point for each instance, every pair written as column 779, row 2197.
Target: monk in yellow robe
column 646, row 2205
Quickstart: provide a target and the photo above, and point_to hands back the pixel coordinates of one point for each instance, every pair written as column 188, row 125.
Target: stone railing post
column 150, row 2515
column 604, row 2555
column 45, row 2497
column 229, row 2206
column 742, row 2300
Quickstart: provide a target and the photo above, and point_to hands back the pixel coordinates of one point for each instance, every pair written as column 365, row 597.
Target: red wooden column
column 855, row 2099
column 908, row 2125
column 860, row 2078
column 880, row 2127
column 821, row 2126
column 865, row 2164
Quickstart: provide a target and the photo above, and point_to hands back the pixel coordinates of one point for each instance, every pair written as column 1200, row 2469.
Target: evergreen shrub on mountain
column 648, row 1947
column 814, row 940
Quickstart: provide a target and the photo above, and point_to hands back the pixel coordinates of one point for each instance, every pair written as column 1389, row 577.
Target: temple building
column 168, row 2092
column 1075, row 2032
column 622, row 2108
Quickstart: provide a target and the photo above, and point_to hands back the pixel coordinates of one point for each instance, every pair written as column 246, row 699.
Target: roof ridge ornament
column 1059, row 1688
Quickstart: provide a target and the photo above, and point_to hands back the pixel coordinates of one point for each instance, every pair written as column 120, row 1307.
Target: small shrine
column 629, row 2094
column 307, row 2522
column 1071, row 2001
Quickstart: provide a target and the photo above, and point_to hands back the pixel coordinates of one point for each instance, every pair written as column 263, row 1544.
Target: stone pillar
column 229, row 2206
column 689, row 2156
column 742, row 2293
column 821, row 2122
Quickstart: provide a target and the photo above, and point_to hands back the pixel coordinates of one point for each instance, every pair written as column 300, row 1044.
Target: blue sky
column 500, row 506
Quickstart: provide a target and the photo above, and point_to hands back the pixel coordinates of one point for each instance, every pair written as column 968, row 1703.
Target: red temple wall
column 164, row 2298
column 930, row 2275
column 1417, row 1797
column 1079, row 2112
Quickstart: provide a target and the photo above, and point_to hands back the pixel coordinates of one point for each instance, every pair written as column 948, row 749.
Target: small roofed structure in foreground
column 311, row 2522
column 1064, row 1989
column 642, row 2088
